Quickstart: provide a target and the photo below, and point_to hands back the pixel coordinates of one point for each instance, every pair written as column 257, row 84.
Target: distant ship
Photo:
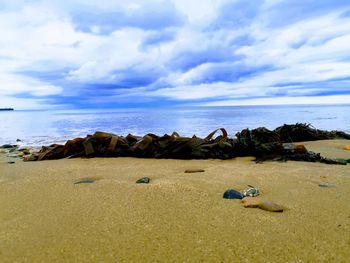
column 6, row 109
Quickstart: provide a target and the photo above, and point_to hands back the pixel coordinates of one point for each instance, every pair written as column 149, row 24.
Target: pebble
column 251, row 191
column 251, row 202
column 327, row 185
column 194, row 171
column 232, row 194
column 143, row 180
column 270, row 206
column 11, row 162
column 88, row 181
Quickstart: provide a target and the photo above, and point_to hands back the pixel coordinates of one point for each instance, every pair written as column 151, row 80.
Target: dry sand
column 178, row 217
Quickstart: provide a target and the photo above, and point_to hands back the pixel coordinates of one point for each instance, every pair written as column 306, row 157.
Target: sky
column 147, row 53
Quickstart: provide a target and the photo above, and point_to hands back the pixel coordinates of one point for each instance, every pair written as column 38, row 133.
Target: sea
column 36, row 128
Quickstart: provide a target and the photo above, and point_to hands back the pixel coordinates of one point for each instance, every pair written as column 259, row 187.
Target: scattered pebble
column 327, row 185
column 232, row 194
column 271, row 206
column 87, row 181
column 143, row 180
column 194, row 171
column 251, row 202
column 251, row 191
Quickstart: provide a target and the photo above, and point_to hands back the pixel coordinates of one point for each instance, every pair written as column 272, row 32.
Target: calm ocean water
column 46, row 127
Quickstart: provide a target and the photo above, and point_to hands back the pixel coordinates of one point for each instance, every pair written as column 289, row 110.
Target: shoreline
column 177, row 217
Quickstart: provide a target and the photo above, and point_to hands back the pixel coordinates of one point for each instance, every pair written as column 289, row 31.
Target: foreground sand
column 178, row 217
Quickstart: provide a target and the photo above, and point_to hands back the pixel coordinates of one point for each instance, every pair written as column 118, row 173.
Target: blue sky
column 145, row 53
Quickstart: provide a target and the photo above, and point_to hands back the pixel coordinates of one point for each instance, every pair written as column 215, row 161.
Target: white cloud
column 45, row 50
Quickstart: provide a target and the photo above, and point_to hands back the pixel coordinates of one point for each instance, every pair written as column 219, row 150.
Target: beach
column 177, row 217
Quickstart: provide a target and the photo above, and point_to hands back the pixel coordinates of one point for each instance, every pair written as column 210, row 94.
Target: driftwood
column 261, row 143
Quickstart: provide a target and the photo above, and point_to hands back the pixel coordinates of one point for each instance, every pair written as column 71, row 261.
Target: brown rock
column 271, row 206
column 32, row 157
column 251, row 202
column 300, row 148
column 194, row 171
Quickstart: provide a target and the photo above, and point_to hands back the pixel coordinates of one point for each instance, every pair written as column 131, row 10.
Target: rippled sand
column 178, row 217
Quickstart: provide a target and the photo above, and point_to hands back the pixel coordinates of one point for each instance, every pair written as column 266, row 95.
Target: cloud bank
column 58, row 54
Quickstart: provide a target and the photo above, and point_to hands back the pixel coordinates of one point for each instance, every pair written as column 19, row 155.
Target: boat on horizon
column 3, row 109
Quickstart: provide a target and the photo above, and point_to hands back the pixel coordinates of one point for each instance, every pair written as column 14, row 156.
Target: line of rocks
column 262, row 143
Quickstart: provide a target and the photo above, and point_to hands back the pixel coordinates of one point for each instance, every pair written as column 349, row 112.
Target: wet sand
column 177, row 217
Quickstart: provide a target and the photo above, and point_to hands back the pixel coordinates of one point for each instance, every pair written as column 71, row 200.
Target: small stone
column 327, row 185
column 11, row 162
column 18, row 140
column 271, row 206
column 143, row 180
column 251, row 202
column 88, row 181
column 194, row 171
column 232, row 194
column 347, row 147
column 251, row 191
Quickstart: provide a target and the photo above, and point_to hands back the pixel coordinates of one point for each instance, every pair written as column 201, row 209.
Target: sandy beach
column 177, row 217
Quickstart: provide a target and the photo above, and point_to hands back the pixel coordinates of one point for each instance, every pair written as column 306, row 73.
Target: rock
column 348, row 160
column 341, row 161
column 11, row 162
column 288, row 146
column 143, row 180
column 21, row 154
column 24, row 148
column 7, row 146
column 347, row 147
column 251, row 191
column 251, row 202
column 30, row 158
column 13, row 155
column 87, row 181
column 300, row 148
column 18, row 140
column 271, row 206
column 327, row 185
column 232, row 194
column 194, row 171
